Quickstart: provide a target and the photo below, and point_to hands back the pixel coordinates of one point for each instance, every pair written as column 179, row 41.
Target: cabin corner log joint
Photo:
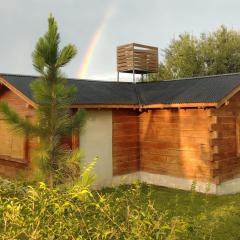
column 154, row 132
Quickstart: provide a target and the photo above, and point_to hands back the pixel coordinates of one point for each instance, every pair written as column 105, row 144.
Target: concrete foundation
column 228, row 187
column 165, row 181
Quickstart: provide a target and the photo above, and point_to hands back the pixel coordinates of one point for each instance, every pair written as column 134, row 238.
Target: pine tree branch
column 18, row 123
column 66, row 54
column 79, row 118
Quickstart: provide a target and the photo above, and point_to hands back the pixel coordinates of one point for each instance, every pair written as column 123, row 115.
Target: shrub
column 126, row 212
column 74, row 212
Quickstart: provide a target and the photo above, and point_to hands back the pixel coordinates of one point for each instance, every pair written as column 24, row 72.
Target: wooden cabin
column 168, row 133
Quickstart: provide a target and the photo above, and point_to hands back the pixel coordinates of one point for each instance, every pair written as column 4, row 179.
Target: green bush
column 37, row 212
column 126, row 212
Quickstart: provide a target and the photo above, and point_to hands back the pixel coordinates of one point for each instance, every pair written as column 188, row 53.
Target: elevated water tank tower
column 136, row 58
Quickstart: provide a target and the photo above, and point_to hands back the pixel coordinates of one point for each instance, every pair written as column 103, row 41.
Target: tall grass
column 126, row 212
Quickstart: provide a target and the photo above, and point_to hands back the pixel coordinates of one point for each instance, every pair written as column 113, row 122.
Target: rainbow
column 93, row 43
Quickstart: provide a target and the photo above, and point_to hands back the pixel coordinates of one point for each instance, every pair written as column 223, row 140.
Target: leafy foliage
column 127, row 212
column 212, row 53
column 54, row 118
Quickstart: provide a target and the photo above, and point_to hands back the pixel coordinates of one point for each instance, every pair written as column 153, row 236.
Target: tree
column 212, row 53
column 54, row 118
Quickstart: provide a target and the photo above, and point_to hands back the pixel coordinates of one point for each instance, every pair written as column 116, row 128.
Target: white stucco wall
column 96, row 140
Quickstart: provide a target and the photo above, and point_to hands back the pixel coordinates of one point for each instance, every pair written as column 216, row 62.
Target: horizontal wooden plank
column 178, row 155
column 174, row 166
column 226, row 120
column 223, row 141
column 136, row 45
column 130, row 152
column 227, row 147
column 147, row 58
column 143, row 52
column 174, row 121
column 145, row 46
column 183, row 141
column 198, row 175
column 137, row 52
column 175, row 145
column 224, row 156
column 221, row 112
column 126, row 138
column 176, row 113
column 160, row 133
column 178, row 127
column 223, row 127
column 119, row 119
column 125, row 126
column 125, row 144
column 171, row 116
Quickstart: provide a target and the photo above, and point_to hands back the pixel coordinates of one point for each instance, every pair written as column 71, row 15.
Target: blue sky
column 153, row 22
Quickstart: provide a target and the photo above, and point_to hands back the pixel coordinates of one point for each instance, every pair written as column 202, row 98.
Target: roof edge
column 191, row 78
column 140, row 105
column 173, row 79
column 146, row 106
column 223, row 100
column 17, row 92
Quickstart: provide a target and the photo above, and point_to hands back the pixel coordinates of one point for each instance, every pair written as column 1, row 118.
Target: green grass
column 218, row 214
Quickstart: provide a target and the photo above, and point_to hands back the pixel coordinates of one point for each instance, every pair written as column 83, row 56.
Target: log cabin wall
column 176, row 143
column 125, row 140
column 226, row 143
column 194, row 143
column 20, row 146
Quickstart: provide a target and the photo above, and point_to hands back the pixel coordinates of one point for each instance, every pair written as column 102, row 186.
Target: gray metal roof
column 207, row 89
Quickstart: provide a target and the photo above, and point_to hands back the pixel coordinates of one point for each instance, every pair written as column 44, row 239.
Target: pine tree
column 54, row 118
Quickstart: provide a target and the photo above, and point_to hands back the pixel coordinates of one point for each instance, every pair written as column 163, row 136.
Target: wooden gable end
column 14, row 148
column 17, row 151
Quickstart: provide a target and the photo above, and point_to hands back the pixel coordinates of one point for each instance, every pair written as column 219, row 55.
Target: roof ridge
column 192, row 78
column 68, row 78
column 17, row 75
column 163, row 92
column 105, row 81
